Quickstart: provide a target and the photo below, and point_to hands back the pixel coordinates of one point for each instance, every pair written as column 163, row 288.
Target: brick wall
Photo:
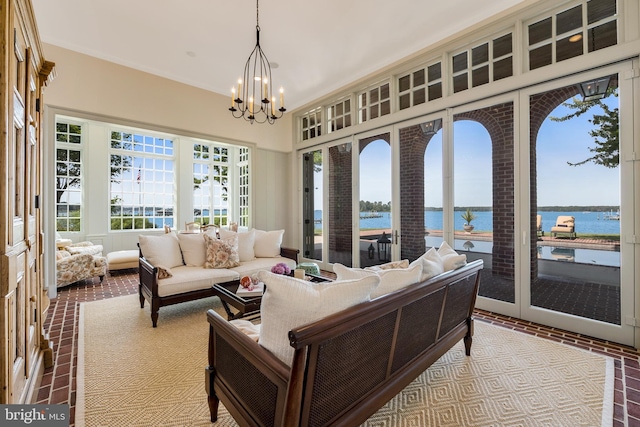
column 498, row 121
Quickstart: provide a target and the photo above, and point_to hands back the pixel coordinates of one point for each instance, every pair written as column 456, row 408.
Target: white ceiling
column 319, row 46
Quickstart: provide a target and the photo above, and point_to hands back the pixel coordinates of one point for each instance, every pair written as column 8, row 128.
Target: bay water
column 586, row 222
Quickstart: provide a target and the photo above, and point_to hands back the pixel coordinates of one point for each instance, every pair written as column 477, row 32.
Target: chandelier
column 254, row 100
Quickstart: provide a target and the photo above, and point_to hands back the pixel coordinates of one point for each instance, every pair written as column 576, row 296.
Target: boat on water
column 613, row 216
column 368, row 215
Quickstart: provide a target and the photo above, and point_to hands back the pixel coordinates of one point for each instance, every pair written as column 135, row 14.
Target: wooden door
column 22, row 297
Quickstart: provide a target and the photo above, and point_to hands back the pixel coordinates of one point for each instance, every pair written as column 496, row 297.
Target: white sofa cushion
column 249, row 268
column 431, row 264
column 163, row 249
column 186, row 279
column 390, row 280
column 289, row 302
column 221, row 253
column 246, row 242
column 450, row 258
column 267, row 243
column 193, row 248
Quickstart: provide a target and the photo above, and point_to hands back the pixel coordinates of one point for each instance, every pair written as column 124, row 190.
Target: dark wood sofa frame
column 148, row 287
column 347, row 365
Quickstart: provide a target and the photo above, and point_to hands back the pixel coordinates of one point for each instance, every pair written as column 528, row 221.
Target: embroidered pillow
column 221, row 253
column 164, row 272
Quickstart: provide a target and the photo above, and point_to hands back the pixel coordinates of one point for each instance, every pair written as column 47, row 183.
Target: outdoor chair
column 539, row 229
column 564, row 225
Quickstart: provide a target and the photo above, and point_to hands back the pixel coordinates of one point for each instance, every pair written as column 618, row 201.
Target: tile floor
column 59, row 382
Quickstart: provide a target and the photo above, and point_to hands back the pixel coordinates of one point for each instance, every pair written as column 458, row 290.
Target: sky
column 559, row 184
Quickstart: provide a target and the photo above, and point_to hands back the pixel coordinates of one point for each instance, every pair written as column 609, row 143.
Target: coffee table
column 246, row 306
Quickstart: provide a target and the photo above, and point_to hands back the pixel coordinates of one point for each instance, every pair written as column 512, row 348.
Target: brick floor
column 59, row 382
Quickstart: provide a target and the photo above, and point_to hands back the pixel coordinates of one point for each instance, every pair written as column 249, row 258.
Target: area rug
column 130, row 374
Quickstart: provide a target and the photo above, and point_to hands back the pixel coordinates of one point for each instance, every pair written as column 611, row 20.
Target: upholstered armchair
column 71, row 268
column 78, row 261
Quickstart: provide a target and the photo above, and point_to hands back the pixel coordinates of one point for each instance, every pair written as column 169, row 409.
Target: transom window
column 339, row 115
column 312, row 124
column 142, row 181
column 587, row 27
column 484, row 63
column 419, row 86
column 374, row 102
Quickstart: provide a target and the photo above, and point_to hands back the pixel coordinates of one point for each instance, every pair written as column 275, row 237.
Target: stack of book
column 252, row 291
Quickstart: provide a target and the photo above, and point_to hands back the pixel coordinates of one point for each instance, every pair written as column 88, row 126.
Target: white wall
column 88, row 84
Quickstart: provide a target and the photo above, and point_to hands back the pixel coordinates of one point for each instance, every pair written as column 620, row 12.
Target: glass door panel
column 312, row 205
column 575, row 203
column 484, row 195
column 375, row 216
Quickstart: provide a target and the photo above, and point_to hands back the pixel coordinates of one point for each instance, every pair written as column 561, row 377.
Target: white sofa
column 175, row 268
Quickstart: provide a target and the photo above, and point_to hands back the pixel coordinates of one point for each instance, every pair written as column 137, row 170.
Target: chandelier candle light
column 256, row 86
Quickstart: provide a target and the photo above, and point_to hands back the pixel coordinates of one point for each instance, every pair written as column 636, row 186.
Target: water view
column 586, row 222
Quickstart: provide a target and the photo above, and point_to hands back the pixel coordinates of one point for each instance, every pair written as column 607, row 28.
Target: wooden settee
column 149, row 287
column 347, row 365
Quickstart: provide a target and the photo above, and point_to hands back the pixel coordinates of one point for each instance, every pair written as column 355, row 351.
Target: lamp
column 384, row 247
column 432, row 127
column 371, row 251
column 594, row 89
column 344, row 148
column 254, row 100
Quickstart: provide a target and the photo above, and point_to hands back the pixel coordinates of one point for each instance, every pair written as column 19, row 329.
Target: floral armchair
column 79, row 261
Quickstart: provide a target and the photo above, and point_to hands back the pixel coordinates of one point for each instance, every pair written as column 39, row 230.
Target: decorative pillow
column 62, row 255
column 246, row 241
column 289, row 302
column 431, row 264
column 396, row 278
column 163, row 249
column 267, row 244
column 450, row 258
column 390, row 280
column 247, row 328
column 193, row 248
column 164, row 272
column 393, row 264
column 347, row 273
column 221, row 253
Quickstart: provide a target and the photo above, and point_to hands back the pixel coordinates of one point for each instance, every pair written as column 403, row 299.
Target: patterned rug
column 130, row 374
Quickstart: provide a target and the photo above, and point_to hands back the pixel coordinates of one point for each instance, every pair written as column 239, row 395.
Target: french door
column 578, row 270
column 496, row 179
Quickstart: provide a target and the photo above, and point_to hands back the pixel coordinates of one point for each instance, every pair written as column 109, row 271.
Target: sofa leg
column 468, row 340
column 141, row 299
column 154, row 319
column 213, row 402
